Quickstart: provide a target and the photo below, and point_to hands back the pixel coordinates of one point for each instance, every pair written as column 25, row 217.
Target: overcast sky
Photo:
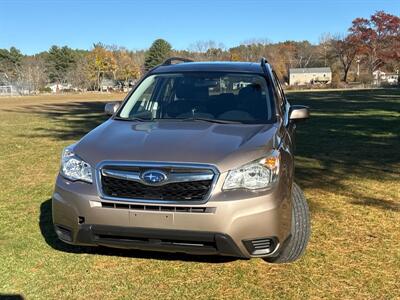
column 33, row 26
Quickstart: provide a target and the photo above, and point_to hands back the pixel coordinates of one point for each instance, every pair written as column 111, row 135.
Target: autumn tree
column 184, row 53
column 274, row 56
column 345, row 49
column 287, row 52
column 126, row 68
column 101, row 63
column 158, row 52
column 248, row 52
column 378, row 38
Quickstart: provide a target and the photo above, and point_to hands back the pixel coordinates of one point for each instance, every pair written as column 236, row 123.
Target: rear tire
column 300, row 231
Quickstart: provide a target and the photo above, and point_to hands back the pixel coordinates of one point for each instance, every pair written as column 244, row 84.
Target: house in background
column 305, row 76
column 58, row 87
column 107, row 85
column 392, row 79
column 381, row 77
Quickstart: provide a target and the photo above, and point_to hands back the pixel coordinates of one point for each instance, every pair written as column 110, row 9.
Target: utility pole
column 358, row 68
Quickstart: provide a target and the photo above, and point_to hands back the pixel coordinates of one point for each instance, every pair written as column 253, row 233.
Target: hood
column 224, row 145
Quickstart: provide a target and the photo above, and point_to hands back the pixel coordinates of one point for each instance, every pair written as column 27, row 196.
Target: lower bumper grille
column 63, row 233
column 261, row 246
column 160, row 242
column 184, row 209
column 193, row 242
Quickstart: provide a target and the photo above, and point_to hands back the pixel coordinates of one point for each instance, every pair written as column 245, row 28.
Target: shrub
column 45, row 90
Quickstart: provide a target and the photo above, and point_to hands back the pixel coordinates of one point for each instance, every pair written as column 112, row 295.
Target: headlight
column 258, row 174
column 74, row 168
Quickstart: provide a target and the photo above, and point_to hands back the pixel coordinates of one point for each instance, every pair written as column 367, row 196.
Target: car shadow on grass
column 67, row 121
column 49, row 235
column 11, row 297
column 351, row 136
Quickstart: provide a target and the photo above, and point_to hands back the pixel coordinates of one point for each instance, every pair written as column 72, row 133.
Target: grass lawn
column 348, row 163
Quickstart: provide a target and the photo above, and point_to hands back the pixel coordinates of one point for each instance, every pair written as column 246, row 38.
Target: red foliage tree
column 378, row 38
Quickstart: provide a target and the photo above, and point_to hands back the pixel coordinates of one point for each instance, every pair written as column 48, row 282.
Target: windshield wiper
column 179, row 119
column 210, row 120
column 132, row 119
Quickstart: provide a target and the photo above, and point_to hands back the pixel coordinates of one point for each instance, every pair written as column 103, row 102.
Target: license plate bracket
column 150, row 219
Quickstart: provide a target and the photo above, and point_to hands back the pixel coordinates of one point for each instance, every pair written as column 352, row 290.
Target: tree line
column 368, row 45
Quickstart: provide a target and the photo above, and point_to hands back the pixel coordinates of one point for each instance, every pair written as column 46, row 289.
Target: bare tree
column 207, row 50
column 324, row 46
column 253, row 41
column 305, row 52
column 202, row 46
column 79, row 75
column 31, row 74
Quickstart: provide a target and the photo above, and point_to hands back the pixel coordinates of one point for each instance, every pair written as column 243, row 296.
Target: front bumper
column 224, row 225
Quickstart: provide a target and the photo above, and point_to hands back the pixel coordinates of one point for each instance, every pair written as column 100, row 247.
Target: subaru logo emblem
column 153, row 177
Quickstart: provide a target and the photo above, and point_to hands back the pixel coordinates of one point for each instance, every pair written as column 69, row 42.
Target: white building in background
column 107, row 85
column 304, row 76
column 58, row 87
column 392, row 79
column 382, row 77
column 378, row 76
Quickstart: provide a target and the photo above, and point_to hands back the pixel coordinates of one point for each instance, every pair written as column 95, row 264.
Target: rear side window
column 279, row 92
column 221, row 96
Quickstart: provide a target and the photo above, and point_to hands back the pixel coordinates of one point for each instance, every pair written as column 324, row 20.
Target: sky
column 34, row 25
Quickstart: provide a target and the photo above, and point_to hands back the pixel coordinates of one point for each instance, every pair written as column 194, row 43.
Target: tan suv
column 197, row 159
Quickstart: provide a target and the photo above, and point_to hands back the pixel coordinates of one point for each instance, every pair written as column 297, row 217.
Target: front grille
column 179, row 209
column 183, row 184
column 121, row 188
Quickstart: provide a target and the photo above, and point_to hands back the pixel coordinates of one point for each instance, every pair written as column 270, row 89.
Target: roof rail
column 264, row 62
column 169, row 61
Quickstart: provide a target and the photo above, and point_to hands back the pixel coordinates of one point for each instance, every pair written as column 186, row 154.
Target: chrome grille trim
column 172, row 177
column 211, row 171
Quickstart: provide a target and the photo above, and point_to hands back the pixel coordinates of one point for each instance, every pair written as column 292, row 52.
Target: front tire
column 300, row 232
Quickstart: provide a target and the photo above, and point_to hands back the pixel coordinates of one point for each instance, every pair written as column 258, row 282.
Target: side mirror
column 299, row 113
column 111, row 108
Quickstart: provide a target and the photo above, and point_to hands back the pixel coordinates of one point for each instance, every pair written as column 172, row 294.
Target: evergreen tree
column 59, row 61
column 10, row 62
column 158, row 52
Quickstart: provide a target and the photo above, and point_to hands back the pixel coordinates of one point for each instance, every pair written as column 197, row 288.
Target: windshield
column 207, row 96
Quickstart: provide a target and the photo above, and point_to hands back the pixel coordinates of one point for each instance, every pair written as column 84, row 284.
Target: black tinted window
column 219, row 96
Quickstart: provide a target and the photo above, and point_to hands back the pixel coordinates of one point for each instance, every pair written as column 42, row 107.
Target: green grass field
column 348, row 163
